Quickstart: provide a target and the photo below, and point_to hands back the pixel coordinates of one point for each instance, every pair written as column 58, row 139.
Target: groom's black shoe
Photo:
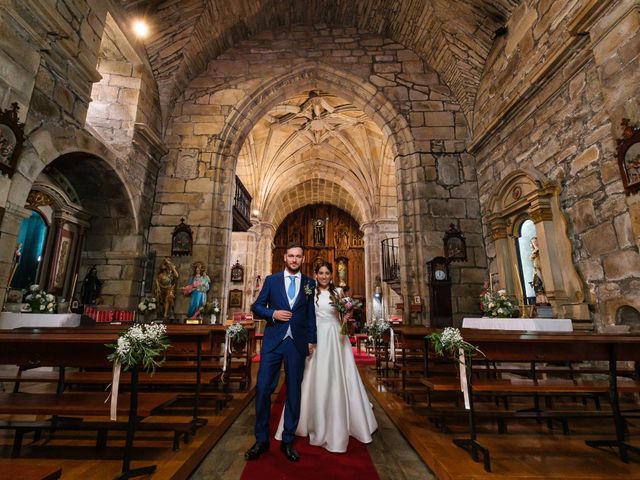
column 257, row 450
column 290, row 452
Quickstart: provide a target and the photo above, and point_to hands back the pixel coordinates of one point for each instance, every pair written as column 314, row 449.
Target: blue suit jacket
column 303, row 321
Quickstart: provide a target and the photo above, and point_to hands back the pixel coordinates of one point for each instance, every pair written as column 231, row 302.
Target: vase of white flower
column 39, row 301
column 498, row 304
column 146, row 308
column 210, row 311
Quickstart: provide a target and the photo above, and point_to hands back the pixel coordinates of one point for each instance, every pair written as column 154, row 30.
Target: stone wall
column 388, row 82
column 563, row 129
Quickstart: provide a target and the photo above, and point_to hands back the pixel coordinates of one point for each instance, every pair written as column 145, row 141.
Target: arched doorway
column 330, row 234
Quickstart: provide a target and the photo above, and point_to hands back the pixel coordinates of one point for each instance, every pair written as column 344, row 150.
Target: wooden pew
column 193, row 340
column 29, row 471
column 81, row 350
column 523, row 346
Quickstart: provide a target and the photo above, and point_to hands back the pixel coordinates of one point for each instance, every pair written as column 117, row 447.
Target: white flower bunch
column 497, row 304
column 212, row 308
column 141, row 345
column 451, row 336
column 450, row 341
column 148, row 304
column 377, row 328
column 39, row 301
column 237, row 333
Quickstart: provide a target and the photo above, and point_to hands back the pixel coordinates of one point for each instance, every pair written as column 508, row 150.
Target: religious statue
column 536, row 282
column 342, row 272
column 7, row 144
column 341, row 239
column 166, row 282
column 91, row 287
column 199, row 284
column 15, row 262
column 319, row 232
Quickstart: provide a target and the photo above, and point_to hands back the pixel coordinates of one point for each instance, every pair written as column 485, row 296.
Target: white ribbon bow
column 227, row 349
column 464, row 386
column 392, row 344
column 115, row 386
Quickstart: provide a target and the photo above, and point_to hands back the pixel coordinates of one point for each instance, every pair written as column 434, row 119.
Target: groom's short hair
column 291, row 245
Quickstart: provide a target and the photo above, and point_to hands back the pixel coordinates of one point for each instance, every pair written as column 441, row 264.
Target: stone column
column 371, row 258
column 264, row 233
column 506, row 261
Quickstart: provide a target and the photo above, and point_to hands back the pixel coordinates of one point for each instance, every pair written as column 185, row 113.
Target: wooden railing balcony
column 391, row 260
column 241, row 208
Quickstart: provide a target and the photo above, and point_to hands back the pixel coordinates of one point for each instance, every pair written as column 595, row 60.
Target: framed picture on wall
column 237, row 272
column 11, row 139
column 182, row 240
column 629, row 157
column 235, row 298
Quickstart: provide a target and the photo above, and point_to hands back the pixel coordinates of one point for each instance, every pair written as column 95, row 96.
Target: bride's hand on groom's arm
column 312, row 348
column 282, row 315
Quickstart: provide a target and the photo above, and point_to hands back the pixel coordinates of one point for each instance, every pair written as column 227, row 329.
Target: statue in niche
column 166, row 282
column 536, row 282
column 342, row 272
column 319, row 229
column 341, row 239
column 91, row 287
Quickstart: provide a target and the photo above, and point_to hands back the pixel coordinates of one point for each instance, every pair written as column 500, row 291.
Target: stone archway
column 364, row 95
column 98, row 177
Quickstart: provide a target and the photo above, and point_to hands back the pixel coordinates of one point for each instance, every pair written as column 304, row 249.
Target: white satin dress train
column 334, row 401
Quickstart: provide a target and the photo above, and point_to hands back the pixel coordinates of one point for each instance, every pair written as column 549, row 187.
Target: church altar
column 527, row 324
column 10, row 320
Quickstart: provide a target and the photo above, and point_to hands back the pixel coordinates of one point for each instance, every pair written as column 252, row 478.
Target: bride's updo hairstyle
column 332, row 288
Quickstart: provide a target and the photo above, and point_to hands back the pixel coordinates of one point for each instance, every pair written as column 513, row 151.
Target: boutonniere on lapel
column 308, row 290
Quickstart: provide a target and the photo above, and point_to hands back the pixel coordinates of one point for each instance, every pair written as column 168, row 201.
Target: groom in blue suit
column 286, row 302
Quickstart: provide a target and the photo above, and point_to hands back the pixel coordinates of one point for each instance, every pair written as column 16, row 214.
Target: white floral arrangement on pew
column 377, row 328
column 142, row 346
column 237, row 333
column 39, row 301
column 450, row 342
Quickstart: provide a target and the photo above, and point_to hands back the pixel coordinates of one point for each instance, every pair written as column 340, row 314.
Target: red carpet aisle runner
column 315, row 462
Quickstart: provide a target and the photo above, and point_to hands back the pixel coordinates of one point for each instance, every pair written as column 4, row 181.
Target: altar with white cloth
column 526, row 324
column 10, row 320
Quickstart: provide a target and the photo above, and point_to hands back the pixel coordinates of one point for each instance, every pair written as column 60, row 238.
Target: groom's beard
column 293, row 271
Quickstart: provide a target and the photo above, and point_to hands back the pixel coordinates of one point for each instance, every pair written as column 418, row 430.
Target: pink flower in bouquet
column 345, row 305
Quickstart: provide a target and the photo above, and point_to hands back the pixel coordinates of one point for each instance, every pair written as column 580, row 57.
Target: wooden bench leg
column 474, row 448
column 17, row 442
column 101, row 439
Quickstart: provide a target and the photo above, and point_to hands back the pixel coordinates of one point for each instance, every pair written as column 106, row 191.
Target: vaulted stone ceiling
column 317, row 147
column 453, row 36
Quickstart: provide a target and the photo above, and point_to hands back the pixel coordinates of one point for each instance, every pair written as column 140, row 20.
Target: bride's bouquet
column 344, row 305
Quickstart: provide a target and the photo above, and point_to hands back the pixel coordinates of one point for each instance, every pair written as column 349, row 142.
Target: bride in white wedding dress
column 334, row 402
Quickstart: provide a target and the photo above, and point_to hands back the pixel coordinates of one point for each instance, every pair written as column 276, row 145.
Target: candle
column 490, row 281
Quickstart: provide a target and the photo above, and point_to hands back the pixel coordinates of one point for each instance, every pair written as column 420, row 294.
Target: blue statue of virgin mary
column 199, row 284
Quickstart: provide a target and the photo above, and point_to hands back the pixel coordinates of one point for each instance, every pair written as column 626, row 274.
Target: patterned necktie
column 291, row 292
